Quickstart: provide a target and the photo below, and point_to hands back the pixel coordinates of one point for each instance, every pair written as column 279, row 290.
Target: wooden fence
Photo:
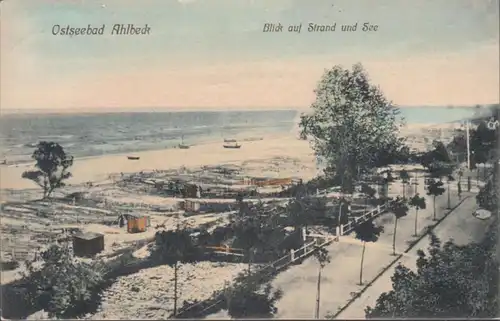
column 295, row 255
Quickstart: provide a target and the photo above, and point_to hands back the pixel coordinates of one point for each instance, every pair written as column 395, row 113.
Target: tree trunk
column 449, row 200
column 416, row 220
column 318, row 291
column 249, row 253
column 404, row 190
column 434, row 207
column 394, row 237
column 362, row 261
column 340, row 214
column 176, row 267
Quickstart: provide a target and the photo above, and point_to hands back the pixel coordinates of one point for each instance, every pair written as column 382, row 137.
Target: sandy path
column 460, row 225
column 98, row 169
column 340, row 277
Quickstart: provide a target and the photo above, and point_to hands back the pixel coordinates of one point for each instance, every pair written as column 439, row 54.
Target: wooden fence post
column 341, row 229
column 292, row 255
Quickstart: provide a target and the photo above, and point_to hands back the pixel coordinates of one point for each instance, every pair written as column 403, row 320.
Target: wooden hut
column 191, row 206
column 137, row 224
column 87, row 244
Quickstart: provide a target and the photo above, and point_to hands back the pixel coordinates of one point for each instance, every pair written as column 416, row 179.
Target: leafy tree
column 302, row 211
column 438, row 155
column 344, row 211
column 448, row 182
column 248, row 301
column 400, row 209
column 369, row 192
column 440, row 169
column 248, row 237
column 458, row 145
column 350, row 119
column 386, row 179
column 434, row 189
column 487, row 197
column 63, row 286
column 405, row 178
column 482, row 143
column 418, row 203
column 52, row 165
column 366, row 232
column 451, row 281
column 323, row 258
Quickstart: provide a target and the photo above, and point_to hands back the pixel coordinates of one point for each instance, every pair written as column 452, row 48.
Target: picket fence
column 309, row 248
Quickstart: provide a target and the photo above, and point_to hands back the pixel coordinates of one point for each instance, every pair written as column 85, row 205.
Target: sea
column 95, row 134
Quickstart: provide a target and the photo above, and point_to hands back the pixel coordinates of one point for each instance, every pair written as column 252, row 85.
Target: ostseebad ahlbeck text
column 118, row 29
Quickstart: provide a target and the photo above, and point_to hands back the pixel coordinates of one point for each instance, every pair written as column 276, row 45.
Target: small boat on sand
column 182, row 145
column 133, row 157
column 233, row 144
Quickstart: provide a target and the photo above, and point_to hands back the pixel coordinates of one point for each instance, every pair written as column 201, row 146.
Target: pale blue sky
column 189, row 38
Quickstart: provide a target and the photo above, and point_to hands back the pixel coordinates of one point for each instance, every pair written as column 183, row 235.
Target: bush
column 451, row 281
column 247, row 301
column 63, row 286
column 487, row 197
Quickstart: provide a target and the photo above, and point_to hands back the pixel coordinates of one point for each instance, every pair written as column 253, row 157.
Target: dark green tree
column 350, row 119
column 384, row 179
column 63, row 286
column 323, row 258
column 451, row 281
column 434, row 188
column 52, row 165
column 247, row 300
column 302, row 211
column 487, row 197
column 418, row 203
column 405, row 179
column 450, row 179
column 369, row 193
column 366, row 232
column 399, row 209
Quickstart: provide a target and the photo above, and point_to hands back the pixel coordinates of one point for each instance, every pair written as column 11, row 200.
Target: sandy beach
column 98, row 169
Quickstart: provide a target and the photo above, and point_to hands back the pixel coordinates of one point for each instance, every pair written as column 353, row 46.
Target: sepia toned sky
column 213, row 53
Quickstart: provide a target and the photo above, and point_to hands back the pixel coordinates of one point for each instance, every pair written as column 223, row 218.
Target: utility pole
column 468, row 143
column 318, row 291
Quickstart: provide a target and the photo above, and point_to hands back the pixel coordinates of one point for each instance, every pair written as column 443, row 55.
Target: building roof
column 87, row 236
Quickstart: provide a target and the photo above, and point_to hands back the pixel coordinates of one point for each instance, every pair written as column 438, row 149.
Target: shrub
column 63, row 286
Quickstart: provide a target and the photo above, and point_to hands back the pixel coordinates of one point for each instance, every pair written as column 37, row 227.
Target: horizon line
column 96, row 110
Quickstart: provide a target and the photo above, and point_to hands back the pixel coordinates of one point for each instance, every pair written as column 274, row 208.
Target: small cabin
column 87, row 244
column 191, row 206
column 137, row 224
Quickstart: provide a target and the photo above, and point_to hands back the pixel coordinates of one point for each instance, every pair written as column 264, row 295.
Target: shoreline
column 243, row 137
column 101, row 168
column 130, row 153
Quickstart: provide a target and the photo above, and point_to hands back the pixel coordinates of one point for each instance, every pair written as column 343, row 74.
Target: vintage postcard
column 228, row 159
